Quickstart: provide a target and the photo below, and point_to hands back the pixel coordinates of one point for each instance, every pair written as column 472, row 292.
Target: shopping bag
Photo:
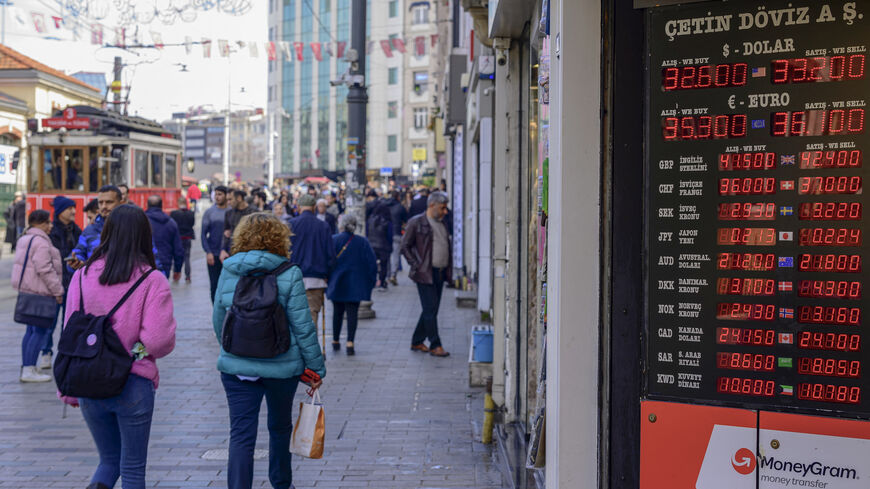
column 309, row 431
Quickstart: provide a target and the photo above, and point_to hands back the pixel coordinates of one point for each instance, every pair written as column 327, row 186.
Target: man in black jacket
column 419, row 204
column 239, row 208
column 64, row 236
column 398, row 216
column 185, row 219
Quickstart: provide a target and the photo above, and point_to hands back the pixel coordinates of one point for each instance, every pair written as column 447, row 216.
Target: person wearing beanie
column 312, row 249
column 64, row 236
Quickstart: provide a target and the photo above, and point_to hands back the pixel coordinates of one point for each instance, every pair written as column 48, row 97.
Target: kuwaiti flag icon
column 787, row 390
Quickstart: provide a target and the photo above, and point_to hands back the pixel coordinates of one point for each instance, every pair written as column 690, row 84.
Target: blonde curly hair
column 262, row 231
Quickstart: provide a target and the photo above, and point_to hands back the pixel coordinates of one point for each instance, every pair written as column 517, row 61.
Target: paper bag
column 309, row 431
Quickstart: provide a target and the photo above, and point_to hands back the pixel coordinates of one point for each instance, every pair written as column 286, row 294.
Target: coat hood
column 157, row 215
column 245, row 262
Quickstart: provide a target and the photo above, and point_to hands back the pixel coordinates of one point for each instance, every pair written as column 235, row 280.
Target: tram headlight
column 190, row 165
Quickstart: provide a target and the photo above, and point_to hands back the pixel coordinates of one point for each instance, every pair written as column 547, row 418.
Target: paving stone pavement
column 395, row 418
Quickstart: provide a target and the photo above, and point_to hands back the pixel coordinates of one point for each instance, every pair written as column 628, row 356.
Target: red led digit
column 720, row 126
column 705, row 79
column 779, row 69
column 738, row 76
column 738, row 125
column 837, row 123
column 723, row 75
column 705, row 123
column 779, row 125
column 687, row 77
column 799, row 70
column 816, row 66
column 837, row 68
column 839, row 289
column 669, row 128
column 829, row 393
column 687, row 128
column 856, row 121
column 856, row 66
column 798, row 123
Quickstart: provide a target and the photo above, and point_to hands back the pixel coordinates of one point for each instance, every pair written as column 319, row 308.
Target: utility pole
column 271, row 178
column 357, row 101
column 227, row 123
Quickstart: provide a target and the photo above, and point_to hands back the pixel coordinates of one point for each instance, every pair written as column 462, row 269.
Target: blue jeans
column 430, row 299
column 33, row 340
column 120, row 427
column 244, row 399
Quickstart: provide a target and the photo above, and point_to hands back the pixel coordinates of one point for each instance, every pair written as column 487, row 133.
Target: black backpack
column 91, row 360
column 256, row 324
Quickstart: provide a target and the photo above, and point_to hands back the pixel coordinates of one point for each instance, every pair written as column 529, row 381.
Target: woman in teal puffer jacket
column 261, row 241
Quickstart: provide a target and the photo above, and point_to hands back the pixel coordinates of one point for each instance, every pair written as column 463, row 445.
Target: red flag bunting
column 340, row 52
column 434, row 40
column 38, row 21
column 58, row 21
column 317, row 49
column 399, row 45
column 271, row 51
column 420, row 45
column 300, row 48
column 206, row 48
column 385, row 45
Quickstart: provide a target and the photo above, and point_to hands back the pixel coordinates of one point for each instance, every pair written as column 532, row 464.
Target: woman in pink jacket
column 121, row 425
column 42, row 276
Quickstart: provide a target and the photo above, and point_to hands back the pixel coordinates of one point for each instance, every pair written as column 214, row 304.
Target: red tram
column 83, row 148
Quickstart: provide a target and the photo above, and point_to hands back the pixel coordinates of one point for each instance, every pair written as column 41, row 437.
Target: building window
column 420, row 15
column 393, row 76
column 392, row 143
column 421, row 118
column 270, row 93
column 392, row 109
column 421, row 82
column 394, row 8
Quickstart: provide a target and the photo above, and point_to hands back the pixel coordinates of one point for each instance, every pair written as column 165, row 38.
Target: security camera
column 501, row 46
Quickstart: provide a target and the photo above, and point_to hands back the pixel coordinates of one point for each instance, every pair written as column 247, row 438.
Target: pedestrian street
column 394, row 418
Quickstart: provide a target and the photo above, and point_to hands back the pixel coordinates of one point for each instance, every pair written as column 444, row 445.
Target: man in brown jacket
column 426, row 246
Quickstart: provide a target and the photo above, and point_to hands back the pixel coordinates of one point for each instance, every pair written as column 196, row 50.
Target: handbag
column 310, row 429
column 34, row 309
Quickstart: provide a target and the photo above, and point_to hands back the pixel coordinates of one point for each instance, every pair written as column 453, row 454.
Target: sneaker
column 30, row 374
column 187, row 279
column 44, row 362
column 393, row 280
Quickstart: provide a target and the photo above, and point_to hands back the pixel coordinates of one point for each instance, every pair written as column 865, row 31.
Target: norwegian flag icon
column 786, row 313
column 786, row 338
column 786, row 185
column 785, row 286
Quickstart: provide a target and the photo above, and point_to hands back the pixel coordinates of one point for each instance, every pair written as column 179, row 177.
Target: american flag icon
column 786, row 185
column 786, row 313
column 786, row 261
column 785, row 286
column 759, row 72
column 786, row 210
column 786, row 338
column 786, row 160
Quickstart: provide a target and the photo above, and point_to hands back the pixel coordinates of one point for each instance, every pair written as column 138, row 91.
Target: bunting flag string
column 63, row 28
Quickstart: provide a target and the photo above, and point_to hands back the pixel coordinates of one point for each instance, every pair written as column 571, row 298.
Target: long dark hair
column 125, row 244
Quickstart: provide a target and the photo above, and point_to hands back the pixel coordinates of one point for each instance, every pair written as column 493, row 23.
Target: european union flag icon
column 758, row 123
column 786, row 210
column 786, row 261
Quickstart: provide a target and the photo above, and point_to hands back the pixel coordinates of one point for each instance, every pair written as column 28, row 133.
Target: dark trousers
column 185, row 244
column 430, row 299
column 214, row 273
column 338, row 310
column 383, row 257
column 244, row 399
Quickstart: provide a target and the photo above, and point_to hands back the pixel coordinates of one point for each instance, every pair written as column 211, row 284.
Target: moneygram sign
column 806, row 469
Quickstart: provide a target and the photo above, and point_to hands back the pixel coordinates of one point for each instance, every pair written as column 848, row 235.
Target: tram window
column 116, row 171
column 75, row 169
column 156, row 170
column 140, row 168
column 52, row 171
column 171, row 170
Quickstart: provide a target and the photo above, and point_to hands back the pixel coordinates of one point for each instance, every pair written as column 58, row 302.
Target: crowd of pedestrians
column 304, row 239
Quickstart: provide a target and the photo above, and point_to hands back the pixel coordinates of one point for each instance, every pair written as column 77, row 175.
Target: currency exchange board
column 756, row 261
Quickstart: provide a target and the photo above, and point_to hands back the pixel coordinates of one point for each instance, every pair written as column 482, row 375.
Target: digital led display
column 754, row 209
